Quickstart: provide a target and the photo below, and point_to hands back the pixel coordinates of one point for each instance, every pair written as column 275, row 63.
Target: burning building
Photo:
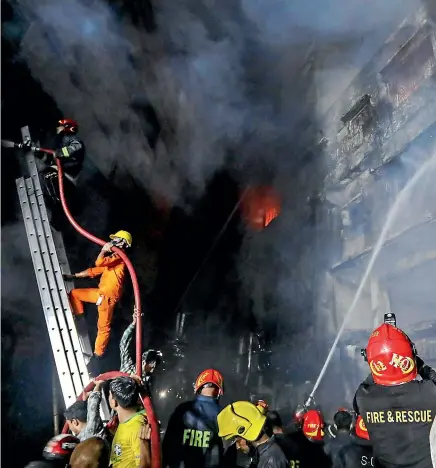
column 368, row 145
column 303, row 255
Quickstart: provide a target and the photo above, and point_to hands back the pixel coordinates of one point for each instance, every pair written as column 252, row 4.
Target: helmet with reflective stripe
column 70, row 125
column 313, row 425
column 60, row 447
column 123, row 235
column 209, row 376
column 241, row 419
column 361, row 430
column 391, row 356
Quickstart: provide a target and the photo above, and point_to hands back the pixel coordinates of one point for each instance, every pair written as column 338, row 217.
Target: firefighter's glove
column 68, row 277
column 107, row 247
column 59, row 154
column 426, row 372
column 419, row 364
column 28, row 144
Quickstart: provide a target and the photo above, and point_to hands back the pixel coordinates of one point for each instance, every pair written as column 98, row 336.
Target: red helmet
column 60, row 447
column 361, row 430
column 313, row 425
column 262, row 406
column 209, row 376
column 391, row 356
column 70, row 125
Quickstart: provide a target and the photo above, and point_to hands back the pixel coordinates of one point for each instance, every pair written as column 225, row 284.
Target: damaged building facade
column 355, row 162
column 375, row 137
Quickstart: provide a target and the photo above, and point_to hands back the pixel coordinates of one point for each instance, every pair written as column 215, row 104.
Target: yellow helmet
column 123, row 235
column 242, row 419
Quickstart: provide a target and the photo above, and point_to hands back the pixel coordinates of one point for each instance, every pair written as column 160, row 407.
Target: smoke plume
column 222, row 78
column 232, row 85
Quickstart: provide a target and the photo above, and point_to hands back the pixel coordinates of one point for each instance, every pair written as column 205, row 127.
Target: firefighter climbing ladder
column 71, row 350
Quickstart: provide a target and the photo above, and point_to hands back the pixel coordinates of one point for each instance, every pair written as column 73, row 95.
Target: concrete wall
column 353, row 163
column 374, row 138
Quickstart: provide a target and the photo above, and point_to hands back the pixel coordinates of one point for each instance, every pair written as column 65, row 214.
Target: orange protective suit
column 109, row 291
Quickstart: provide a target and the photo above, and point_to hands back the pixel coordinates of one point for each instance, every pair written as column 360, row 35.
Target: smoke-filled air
column 308, row 127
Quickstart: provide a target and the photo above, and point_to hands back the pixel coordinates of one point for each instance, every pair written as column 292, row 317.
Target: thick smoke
column 221, row 77
column 233, row 84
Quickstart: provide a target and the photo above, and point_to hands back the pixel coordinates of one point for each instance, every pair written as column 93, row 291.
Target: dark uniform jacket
column 191, row 439
column 355, row 455
column 399, row 420
column 334, row 444
column 234, row 458
column 71, row 150
column 310, row 454
column 269, row 455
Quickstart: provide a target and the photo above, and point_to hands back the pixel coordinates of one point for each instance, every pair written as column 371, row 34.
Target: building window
column 411, row 66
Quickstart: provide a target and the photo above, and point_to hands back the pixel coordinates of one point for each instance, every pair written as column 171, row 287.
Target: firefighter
column 112, row 269
column 57, row 452
column 243, row 419
column 313, row 430
column 70, row 149
column 59, row 449
column 331, row 431
column 292, row 450
column 262, row 406
column 398, row 409
column 342, row 434
column 311, row 446
column 191, row 439
column 359, row 452
column 238, row 454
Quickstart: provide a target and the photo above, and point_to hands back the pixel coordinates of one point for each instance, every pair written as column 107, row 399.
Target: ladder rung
column 47, row 249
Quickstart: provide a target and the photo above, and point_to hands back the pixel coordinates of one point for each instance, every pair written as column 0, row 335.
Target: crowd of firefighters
column 392, row 423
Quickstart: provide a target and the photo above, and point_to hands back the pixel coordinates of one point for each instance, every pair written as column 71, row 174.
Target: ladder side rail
column 62, row 258
column 59, row 354
column 56, row 285
column 83, row 342
column 81, row 327
column 56, row 242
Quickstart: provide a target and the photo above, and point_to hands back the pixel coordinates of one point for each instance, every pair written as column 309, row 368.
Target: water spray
column 381, row 240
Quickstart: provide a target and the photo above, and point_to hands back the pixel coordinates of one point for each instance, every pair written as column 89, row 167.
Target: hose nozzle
column 9, row 144
column 12, row 144
column 310, row 402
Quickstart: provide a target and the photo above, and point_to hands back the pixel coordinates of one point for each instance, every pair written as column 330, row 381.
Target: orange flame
column 260, row 206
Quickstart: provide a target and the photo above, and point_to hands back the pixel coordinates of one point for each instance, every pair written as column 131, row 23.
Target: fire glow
column 261, row 205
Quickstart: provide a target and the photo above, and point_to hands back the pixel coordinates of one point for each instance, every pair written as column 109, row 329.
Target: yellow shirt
column 125, row 452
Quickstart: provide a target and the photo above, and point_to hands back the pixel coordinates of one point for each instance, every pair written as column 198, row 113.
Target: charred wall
column 380, row 131
column 353, row 162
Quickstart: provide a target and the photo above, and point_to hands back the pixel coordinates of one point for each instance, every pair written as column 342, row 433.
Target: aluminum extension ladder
column 71, row 350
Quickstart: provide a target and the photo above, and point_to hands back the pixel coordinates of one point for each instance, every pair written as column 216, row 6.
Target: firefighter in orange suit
column 111, row 268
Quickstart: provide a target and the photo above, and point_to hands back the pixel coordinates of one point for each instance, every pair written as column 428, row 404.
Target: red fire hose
column 155, row 444
column 106, row 376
